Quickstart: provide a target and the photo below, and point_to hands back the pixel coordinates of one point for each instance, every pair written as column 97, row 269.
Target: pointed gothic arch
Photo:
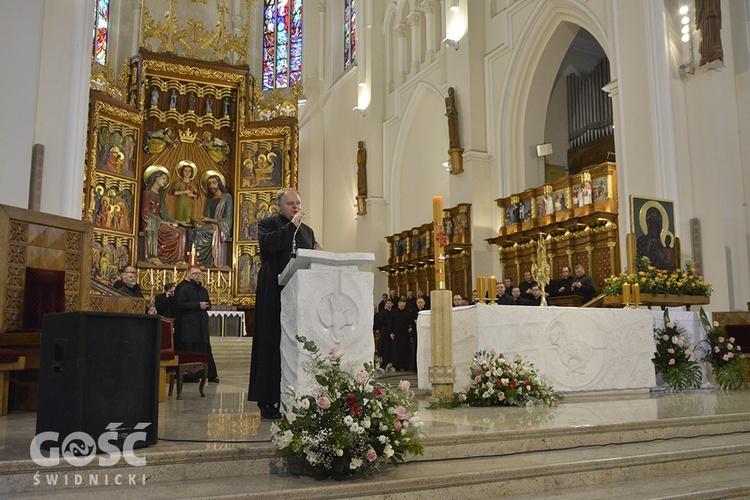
column 524, row 95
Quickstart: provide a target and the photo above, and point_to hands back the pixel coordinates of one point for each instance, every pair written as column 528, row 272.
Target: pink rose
column 730, row 346
column 544, row 393
column 477, row 379
column 730, row 355
column 404, row 385
column 336, row 352
column 725, row 357
column 362, row 377
column 676, row 322
column 680, row 342
column 397, row 425
column 500, row 396
column 716, row 349
column 371, row 455
column 462, row 397
column 324, row 402
column 731, row 339
column 477, row 368
column 670, row 350
column 665, row 337
column 721, row 339
column 671, row 361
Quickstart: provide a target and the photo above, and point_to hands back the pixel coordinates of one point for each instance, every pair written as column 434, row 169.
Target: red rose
column 356, row 410
column 513, row 384
column 526, row 382
column 351, row 399
column 377, row 392
column 501, row 357
column 498, row 382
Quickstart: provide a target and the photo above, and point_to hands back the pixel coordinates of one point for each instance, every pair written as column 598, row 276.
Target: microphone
column 294, row 239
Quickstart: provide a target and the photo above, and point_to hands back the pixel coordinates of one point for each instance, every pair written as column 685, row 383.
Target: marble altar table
column 576, row 349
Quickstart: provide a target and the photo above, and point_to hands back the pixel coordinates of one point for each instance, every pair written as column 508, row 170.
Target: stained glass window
column 282, row 43
column 350, row 33
column 101, row 30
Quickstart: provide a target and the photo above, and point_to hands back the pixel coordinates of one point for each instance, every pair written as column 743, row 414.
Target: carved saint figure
column 452, row 113
column 165, row 240
column 213, row 229
column 185, row 193
column 361, row 169
column 708, row 20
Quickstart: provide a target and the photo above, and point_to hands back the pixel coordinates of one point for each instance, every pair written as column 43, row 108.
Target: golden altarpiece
column 179, row 115
column 411, row 257
column 578, row 216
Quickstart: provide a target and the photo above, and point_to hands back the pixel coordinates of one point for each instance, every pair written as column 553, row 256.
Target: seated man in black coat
column 562, row 286
column 518, row 300
column 164, row 302
column 502, row 298
column 128, row 284
column 583, row 284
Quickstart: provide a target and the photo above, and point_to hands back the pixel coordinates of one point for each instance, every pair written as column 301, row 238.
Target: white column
column 400, row 32
column 136, row 40
column 321, row 38
column 428, row 7
column 62, row 105
column 415, row 19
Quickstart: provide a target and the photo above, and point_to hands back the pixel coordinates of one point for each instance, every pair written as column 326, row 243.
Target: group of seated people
column 188, row 302
column 530, row 293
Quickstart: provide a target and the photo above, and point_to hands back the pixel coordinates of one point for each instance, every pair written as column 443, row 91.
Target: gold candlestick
column 626, row 294
column 540, row 269
column 480, row 290
column 491, row 287
column 439, row 241
column 637, row 295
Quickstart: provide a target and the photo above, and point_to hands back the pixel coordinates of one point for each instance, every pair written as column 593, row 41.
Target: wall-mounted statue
column 708, row 21
column 361, row 178
column 452, row 113
column 185, row 192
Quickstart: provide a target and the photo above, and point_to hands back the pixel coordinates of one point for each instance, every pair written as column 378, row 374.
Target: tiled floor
column 225, row 419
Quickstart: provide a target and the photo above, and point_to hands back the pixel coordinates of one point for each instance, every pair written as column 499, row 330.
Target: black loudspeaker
column 98, row 369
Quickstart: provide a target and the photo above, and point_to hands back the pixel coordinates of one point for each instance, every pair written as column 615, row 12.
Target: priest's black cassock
column 275, row 236
column 401, row 322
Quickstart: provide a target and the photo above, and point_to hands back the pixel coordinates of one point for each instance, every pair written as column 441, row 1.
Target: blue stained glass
column 282, row 43
column 350, row 33
column 101, row 30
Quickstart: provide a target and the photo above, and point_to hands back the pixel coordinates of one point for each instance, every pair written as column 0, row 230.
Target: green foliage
column 672, row 358
column 724, row 355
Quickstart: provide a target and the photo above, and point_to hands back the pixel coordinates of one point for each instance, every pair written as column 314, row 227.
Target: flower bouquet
column 351, row 424
column 672, row 357
column 724, row 355
column 682, row 281
column 498, row 381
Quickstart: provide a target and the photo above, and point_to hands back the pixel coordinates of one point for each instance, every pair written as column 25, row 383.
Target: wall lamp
column 451, row 43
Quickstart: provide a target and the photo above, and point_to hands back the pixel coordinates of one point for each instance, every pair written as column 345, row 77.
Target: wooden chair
column 182, row 363
column 9, row 361
column 168, row 358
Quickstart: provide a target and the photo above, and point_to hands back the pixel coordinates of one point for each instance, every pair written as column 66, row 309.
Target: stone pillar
column 428, row 7
column 415, row 20
column 400, row 33
column 442, row 373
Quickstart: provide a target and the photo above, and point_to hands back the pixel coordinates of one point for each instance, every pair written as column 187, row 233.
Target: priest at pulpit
column 278, row 236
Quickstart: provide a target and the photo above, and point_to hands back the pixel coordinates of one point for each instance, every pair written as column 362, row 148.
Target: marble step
column 258, row 458
column 688, row 464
